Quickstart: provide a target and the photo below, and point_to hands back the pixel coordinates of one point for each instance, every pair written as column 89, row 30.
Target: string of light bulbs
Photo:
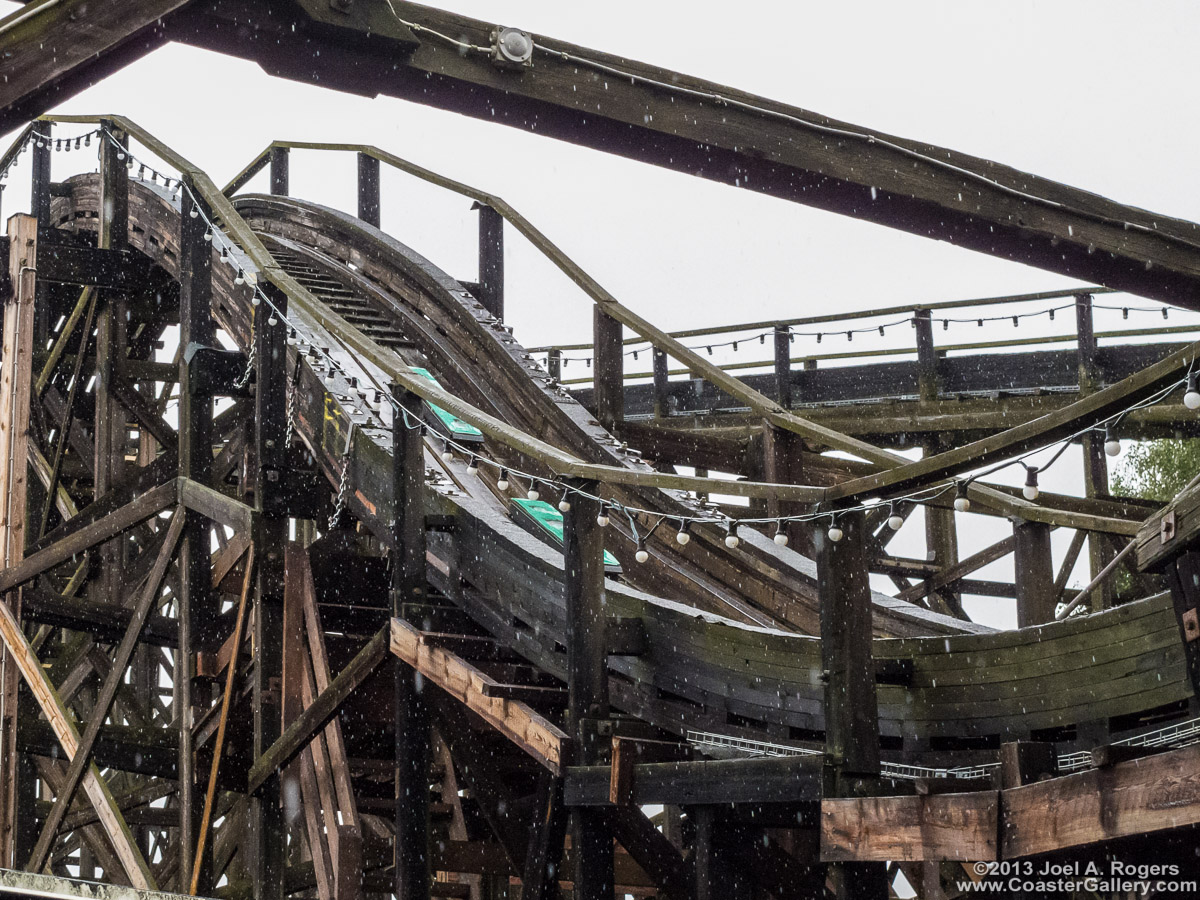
column 685, row 522
column 946, row 322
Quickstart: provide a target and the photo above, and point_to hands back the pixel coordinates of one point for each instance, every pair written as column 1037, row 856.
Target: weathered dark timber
column 1036, row 597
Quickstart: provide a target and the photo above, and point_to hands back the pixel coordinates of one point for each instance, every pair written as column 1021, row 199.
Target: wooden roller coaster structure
column 278, row 621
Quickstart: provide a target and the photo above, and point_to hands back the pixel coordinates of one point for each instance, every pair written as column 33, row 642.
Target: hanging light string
column 644, row 346
column 36, row 138
column 633, row 513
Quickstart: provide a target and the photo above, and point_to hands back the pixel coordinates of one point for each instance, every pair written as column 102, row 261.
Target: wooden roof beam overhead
column 742, row 140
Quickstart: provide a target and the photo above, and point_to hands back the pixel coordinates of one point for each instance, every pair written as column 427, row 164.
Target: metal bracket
column 1166, row 530
column 1191, row 626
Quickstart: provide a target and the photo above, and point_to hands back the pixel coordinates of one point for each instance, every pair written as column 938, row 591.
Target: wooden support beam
column 540, row 876
column 265, row 850
column 115, row 827
column 1068, row 564
column 1095, row 460
column 923, row 827
column 279, row 171
column 491, row 260
column 133, row 513
column 517, row 721
column 1026, row 762
column 1183, row 580
column 608, row 369
column 1036, row 598
column 662, row 402
column 40, row 180
column 368, row 189
column 783, row 366
column 957, row 572
column 587, row 672
column 1169, row 532
column 16, row 372
column 413, row 742
column 793, row 779
column 210, row 794
column 317, row 715
column 851, row 706
column 652, row 851
column 81, row 758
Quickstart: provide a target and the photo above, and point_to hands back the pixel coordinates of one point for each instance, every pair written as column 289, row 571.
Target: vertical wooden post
column 783, row 464
column 587, row 682
column 413, row 735
column 1095, row 462
column 16, row 385
column 927, row 361
column 554, row 364
column 851, row 705
column 196, row 612
column 270, row 402
column 110, row 428
column 609, row 372
column 39, row 200
column 1183, row 579
column 783, row 365
column 539, row 880
column 1036, row 597
column 280, row 159
column 368, row 189
column 491, row 260
column 662, row 397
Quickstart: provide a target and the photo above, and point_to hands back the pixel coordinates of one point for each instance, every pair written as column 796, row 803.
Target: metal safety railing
column 1174, row 736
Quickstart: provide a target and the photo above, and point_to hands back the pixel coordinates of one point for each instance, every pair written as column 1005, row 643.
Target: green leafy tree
column 1157, row 470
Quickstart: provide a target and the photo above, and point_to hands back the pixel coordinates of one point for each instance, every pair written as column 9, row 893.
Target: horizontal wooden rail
column 858, row 315
column 911, row 351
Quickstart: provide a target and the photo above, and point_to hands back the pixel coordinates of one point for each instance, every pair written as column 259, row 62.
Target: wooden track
column 706, row 667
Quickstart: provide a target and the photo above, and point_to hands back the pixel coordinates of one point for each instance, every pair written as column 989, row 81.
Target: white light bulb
column 834, row 533
column 602, row 520
column 533, row 494
column 895, row 522
column 564, row 505
column 682, row 537
column 1192, row 399
column 447, row 455
column 472, row 468
column 194, row 214
column 502, row 484
column 208, row 236
column 1030, row 491
column 781, row 538
column 962, row 504
column 641, row 556
column 732, row 540
column 1112, row 447
column 240, row 278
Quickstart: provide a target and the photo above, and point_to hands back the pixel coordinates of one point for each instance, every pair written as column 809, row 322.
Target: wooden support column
column 491, row 260
column 608, row 376
column 941, row 532
column 1036, row 596
column 851, row 705
column 662, row 398
column 16, row 384
column 783, row 365
column 782, row 464
column 554, row 364
column 110, row 426
column 1095, row 461
column 587, row 683
column 368, row 189
column 539, row 880
column 197, row 613
column 39, row 200
column 414, row 738
column 266, row 843
column 280, row 158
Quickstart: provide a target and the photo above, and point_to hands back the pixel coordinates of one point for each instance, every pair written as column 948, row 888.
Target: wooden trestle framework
column 266, row 633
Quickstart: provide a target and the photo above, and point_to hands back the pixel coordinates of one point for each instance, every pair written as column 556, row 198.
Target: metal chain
column 340, row 504
column 291, row 414
column 250, row 358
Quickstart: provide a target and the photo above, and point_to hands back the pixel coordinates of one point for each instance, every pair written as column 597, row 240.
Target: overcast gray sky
column 1095, row 94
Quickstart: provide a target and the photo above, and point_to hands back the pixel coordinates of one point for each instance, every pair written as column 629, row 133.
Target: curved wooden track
column 715, row 662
